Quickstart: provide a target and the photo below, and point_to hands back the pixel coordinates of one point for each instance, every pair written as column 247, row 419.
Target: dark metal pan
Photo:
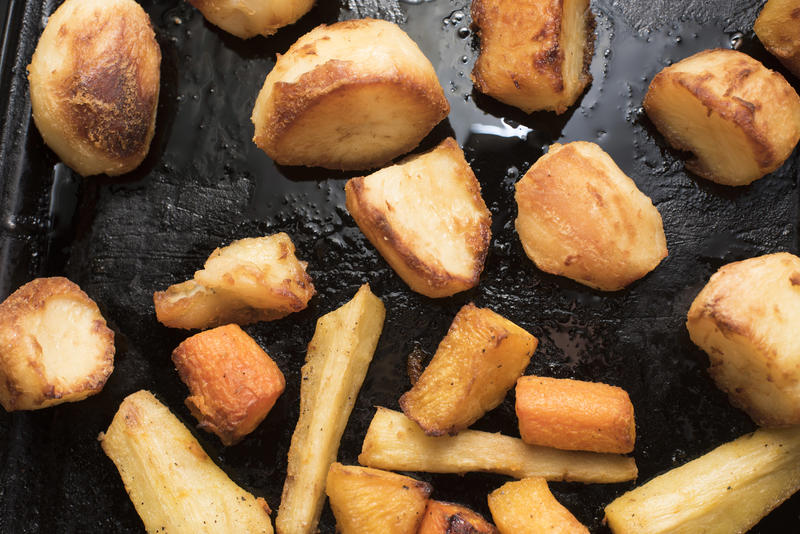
column 205, row 184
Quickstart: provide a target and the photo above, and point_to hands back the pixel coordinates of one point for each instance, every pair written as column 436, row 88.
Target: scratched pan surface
column 205, row 184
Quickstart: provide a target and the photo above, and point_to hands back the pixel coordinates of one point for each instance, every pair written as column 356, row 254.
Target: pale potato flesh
column 528, row 507
column 54, row 346
column 352, row 95
column 778, row 28
column 95, row 79
column 427, row 218
column 725, row 491
column 745, row 319
column 738, row 118
column 248, row 18
column 173, row 484
column 581, row 217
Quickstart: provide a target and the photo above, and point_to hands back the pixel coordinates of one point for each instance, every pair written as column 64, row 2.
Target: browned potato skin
column 528, row 507
column 94, row 81
column 371, row 501
column 477, row 362
column 350, row 96
column 450, row 518
column 233, row 382
column 579, row 216
column 248, row 18
column 744, row 319
column 778, row 28
column 525, row 50
column 427, row 272
column 756, row 110
column 25, row 383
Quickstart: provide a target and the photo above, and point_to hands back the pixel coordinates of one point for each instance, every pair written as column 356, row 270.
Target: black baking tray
column 205, row 184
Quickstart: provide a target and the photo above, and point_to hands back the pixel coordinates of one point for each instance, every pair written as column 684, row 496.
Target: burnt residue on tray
column 206, row 184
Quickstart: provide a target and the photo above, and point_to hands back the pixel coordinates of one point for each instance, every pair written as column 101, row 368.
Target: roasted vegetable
column 248, row 18
column 336, row 364
column 778, row 28
column 527, row 507
column 448, row 518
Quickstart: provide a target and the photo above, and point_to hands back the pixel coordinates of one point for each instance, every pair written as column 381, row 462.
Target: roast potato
column 745, row 319
column 350, row 96
column 427, row 218
column 579, row 216
column 248, row 18
column 778, row 28
column 250, row 280
column 528, row 507
column 534, row 54
column 449, row 518
column 739, row 119
column 94, row 81
column 54, row 346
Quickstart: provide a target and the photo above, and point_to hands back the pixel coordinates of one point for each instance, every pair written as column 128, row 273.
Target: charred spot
column 794, row 279
column 795, row 14
column 458, row 525
column 569, row 260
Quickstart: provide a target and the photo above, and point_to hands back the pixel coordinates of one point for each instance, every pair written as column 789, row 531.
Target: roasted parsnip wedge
column 528, row 507
column 248, row 18
column 336, row 364
column 426, row 217
column 778, row 28
column 396, row 443
column 54, row 345
column 173, row 484
column 725, row 491
column 250, row 280
column 476, row 364
column 449, row 518
column 371, row 501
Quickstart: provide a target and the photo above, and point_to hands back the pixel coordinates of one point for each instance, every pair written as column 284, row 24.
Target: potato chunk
column 427, row 219
column 248, row 18
column 395, row 442
column 778, row 28
column 250, row 280
column 338, row 357
column 535, row 54
column 54, row 346
column 233, row 382
column 448, row 518
column 352, row 95
column 728, row 490
column 575, row 415
column 579, row 216
column 371, row 501
column 94, row 85
column 173, row 484
column 476, row 364
column 745, row 318
column 738, row 118
column 528, row 507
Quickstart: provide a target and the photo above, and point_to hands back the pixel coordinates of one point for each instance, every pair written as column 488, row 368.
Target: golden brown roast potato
column 477, row 362
column 535, row 54
column 426, row 217
column 579, row 216
column 574, row 415
column 726, row 491
column 528, row 507
column 353, row 95
column 448, row 518
column 738, row 118
column 778, row 28
column 371, row 501
column 250, row 280
column 54, row 345
column 745, row 318
column 94, row 85
column 173, row 484
column 248, row 18
column 233, row 382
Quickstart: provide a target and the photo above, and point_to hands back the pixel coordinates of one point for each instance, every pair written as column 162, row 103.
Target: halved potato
column 528, row 507
column 371, row 501
column 450, row 518
column 426, row 217
column 581, row 217
column 250, row 280
column 94, row 85
column 352, row 95
column 535, row 54
column 778, row 28
column 738, row 118
column 477, row 362
column 54, row 345
column 745, row 319
column 248, row 18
